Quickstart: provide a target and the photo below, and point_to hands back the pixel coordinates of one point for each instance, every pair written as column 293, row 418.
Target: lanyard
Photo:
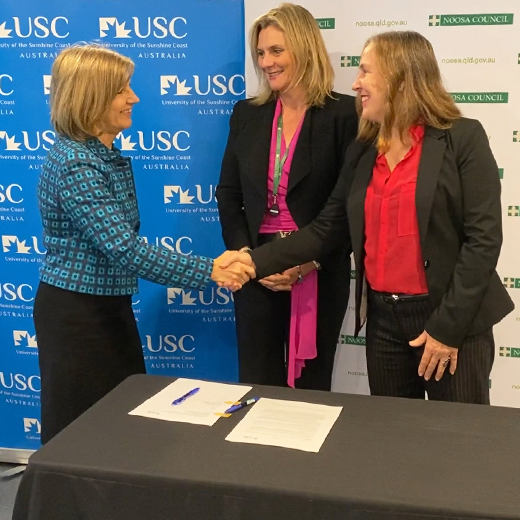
column 278, row 164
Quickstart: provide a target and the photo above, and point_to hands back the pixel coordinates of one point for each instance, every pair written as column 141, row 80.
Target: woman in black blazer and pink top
column 284, row 153
column 420, row 192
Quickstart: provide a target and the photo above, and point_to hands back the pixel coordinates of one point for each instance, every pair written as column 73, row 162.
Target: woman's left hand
column 285, row 281
column 436, row 354
column 292, row 275
column 294, row 272
column 276, row 282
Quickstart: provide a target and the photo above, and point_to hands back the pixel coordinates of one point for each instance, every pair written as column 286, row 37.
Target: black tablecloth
column 384, row 459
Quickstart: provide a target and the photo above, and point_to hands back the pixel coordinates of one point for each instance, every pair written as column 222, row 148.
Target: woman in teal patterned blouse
column 87, row 336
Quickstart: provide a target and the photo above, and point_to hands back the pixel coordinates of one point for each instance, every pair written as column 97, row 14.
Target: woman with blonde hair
column 283, row 156
column 87, row 336
column 421, row 191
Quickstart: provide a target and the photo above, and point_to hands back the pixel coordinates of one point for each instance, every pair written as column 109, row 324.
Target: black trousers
column 262, row 326
column 87, row 345
column 392, row 364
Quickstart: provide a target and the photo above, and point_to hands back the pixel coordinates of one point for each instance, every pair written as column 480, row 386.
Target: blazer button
column 426, row 264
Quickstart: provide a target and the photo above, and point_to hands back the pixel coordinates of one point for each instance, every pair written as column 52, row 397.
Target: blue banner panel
column 189, row 57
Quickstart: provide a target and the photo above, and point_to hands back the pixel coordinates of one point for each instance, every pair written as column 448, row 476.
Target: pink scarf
column 302, row 335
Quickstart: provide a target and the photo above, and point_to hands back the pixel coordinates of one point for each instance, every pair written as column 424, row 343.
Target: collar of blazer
column 255, row 143
column 432, row 156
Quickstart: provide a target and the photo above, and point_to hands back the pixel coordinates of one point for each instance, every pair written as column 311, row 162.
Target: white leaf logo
column 9, row 240
column 47, row 84
column 4, row 33
column 10, row 142
column 126, row 142
column 23, row 338
column 184, row 195
column 168, row 81
column 186, row 298
column 106, row 23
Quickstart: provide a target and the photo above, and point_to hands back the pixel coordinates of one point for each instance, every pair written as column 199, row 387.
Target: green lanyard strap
column 278, row 164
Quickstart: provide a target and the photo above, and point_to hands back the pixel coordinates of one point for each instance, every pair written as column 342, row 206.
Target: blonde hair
column 305, row 43
column 415, row 93
column 85, row 80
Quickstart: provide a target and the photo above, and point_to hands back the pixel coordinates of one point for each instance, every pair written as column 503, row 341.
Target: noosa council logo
column 37, row 26
column 29, row 141
column 13, row 244
column 162, row 140
column 218, row 85
column 158, row 27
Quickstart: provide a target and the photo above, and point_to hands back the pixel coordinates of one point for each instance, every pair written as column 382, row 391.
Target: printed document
column 199, row 408
column 288, row 424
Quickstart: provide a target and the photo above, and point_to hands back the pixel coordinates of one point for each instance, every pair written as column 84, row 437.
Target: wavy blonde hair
column 415, row 93
column 305, row 43
column 85, row 80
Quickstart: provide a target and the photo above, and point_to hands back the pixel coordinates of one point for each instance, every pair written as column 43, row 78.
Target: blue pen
column 243, row 404
column 185, row 396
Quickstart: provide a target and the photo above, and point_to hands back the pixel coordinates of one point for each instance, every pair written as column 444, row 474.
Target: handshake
column 233, row 269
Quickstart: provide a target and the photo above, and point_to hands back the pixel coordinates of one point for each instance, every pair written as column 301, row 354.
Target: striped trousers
column 392, row 364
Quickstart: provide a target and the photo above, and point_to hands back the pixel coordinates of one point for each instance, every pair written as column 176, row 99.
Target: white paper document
column 288, row 424
column 199, row 408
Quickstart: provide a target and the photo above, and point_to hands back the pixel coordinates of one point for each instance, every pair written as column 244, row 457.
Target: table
column 385, row 459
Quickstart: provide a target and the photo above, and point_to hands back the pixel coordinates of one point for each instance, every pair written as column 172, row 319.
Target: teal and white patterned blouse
column 87, row 200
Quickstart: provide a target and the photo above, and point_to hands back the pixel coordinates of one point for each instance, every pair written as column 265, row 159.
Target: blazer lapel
column 256, row 160
column 434, row 146
column 356, row 201
column 301, row 161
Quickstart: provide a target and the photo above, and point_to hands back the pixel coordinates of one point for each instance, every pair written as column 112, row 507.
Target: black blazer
column 460, row 226
column 242, row 190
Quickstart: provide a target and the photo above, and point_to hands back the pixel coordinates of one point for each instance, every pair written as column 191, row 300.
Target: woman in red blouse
column 421, row 190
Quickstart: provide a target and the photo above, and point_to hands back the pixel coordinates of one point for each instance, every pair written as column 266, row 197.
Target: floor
column 8, row 488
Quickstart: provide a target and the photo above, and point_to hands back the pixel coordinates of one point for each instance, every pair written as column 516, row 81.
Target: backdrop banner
column 477, row 47
column 189, row 57
column 189, row 73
